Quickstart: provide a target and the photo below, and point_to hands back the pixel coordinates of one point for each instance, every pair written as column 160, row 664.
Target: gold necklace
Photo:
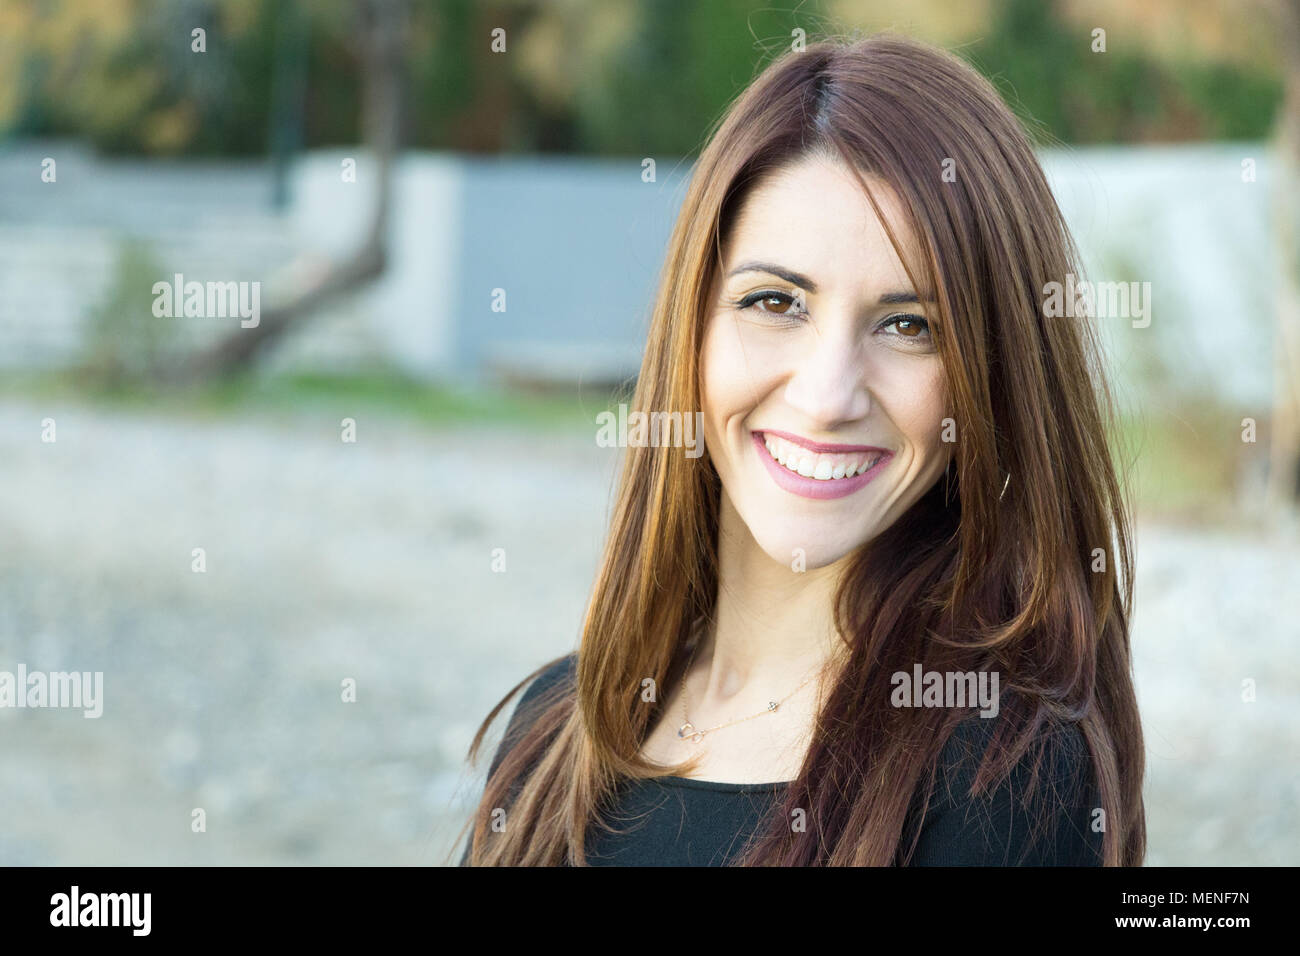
column 688, row 731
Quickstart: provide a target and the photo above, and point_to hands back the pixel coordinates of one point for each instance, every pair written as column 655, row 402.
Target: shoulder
column 1040, row 814
column 557, row 673
column 551, row 679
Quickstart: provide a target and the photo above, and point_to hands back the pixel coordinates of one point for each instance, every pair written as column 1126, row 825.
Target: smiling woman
column 905, row 471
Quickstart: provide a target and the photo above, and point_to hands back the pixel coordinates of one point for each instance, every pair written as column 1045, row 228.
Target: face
column 823, row 391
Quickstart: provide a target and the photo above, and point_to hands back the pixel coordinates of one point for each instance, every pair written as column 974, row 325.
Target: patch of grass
column 291, row 395
column 124, row 339
column 1184, row 462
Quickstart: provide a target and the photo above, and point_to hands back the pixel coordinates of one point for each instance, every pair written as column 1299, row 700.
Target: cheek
column 731, row 374
column 917, row 406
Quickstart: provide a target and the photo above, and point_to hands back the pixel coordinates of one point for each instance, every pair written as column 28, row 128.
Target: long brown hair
column 1035, row 585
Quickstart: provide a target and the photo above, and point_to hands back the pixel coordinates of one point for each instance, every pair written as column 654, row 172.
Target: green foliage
column 125, row 340
column 1232, row 105
column 676, row 73
column 287, row 73
column 1065, row 92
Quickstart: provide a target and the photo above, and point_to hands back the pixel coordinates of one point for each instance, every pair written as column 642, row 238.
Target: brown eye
column 908, row 326
column 771, row 302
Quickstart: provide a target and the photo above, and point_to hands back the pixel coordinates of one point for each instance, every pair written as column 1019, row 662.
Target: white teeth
column 817, row 466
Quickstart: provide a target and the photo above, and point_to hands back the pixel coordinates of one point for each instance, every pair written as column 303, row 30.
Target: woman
column 884, row 618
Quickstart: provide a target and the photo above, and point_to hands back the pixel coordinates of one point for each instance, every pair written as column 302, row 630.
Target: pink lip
column 812, row 487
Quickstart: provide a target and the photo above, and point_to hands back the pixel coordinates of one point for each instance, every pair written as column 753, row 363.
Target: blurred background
column 309, row 555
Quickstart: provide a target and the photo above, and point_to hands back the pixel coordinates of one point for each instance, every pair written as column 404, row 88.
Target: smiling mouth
column 819, row 465
column 816, row 470
column 819, row 461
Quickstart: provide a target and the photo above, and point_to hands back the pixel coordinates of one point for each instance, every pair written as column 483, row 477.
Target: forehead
column 813, row 217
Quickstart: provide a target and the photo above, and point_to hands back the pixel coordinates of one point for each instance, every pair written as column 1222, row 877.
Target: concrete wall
column 577, row 245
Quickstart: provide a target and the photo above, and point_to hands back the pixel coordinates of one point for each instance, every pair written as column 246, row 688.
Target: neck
column 774, row 626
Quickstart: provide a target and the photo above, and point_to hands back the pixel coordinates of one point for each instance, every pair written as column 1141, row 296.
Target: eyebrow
column 895, row 298
column 794, row 278
column 803, row 282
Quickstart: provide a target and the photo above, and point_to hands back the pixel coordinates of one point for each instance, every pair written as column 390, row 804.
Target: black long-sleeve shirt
column 677, row 821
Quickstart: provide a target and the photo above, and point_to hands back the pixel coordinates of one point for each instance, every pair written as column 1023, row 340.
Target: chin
column 819, row 548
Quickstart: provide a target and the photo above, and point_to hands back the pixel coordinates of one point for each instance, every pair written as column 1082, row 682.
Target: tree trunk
column 382, row 33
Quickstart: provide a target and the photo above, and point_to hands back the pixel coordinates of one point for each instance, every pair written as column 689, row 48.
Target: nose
column 828, row 384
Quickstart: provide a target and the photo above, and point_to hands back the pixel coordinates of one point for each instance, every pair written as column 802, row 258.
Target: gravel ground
column 328, row 561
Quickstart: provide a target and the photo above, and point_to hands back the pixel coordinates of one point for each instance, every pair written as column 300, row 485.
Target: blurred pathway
column 372, row 561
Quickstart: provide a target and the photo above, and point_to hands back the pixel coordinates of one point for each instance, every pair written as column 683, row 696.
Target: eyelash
column 751, row 300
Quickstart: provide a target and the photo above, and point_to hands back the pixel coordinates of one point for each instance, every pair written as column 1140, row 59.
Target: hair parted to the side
column 965, row 584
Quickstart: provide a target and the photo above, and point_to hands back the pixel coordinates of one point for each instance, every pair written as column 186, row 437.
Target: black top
column 677, row 821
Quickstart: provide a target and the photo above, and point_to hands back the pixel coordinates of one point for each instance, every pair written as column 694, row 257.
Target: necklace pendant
column 687, row 731
column 773, row 705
